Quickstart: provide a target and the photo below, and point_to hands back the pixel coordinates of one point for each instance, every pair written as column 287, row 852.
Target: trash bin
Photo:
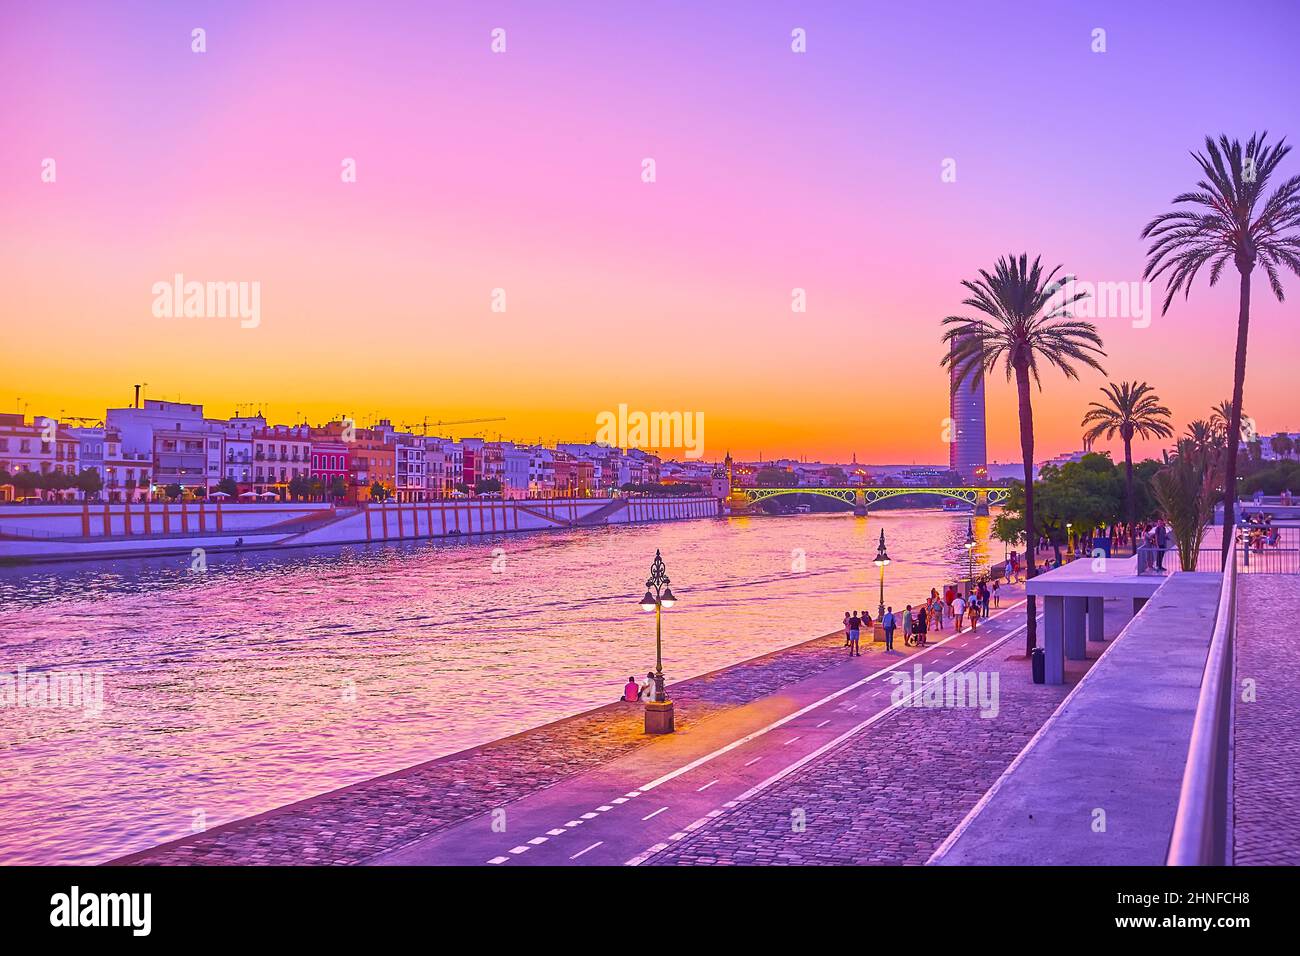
column 1039, row 665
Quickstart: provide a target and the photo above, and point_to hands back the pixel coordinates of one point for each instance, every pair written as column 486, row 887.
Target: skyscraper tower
column 967, row 448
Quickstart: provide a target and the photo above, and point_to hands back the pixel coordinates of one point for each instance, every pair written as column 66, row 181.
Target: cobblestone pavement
column 1266, row 745
column 893, row 793
column 355, row 823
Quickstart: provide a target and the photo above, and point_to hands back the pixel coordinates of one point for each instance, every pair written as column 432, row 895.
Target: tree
column 1085, row 494
column 378, row 492
column 89, row 482
column 487, row 486
column 1221, row 224
column 315, row 488
column 1282, row 445
column 1020, row 329
column 229, row 486
column 1185, row 490
column 1130, row 409
column 298, row 487
column 173, row 491
column 338, row 487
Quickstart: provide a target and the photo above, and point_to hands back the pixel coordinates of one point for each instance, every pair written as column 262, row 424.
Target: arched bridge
column 862, row 498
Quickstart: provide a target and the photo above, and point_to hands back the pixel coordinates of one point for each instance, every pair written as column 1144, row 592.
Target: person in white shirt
column 958, row 609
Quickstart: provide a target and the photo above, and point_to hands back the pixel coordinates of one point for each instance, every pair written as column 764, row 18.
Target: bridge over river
column 862, row 498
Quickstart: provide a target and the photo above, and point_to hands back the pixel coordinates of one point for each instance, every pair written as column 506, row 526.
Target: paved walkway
column 893, row 794
column 634, row 807
column 1266, row 745
column 1100, row 787
column 362, row 821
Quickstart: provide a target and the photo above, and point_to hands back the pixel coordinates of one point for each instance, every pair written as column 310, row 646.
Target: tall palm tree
column 1131, row 409
column 1227, row 219
column 1281, row 445
column 1025, row 322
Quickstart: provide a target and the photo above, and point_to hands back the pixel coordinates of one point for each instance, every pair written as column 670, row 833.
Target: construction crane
column 425, row 423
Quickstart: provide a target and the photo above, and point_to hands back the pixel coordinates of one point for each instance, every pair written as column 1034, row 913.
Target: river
column 269, row 677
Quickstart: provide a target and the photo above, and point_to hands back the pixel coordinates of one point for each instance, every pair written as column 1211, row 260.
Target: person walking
column 973, row 612
column 997, row 599
column 855, row 631
column 848, row 615
column 907, row 623
column 958, row 610
column 888, row 623
column 920, row 628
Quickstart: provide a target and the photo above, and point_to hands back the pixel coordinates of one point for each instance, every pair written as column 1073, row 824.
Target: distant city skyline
column 515, row 180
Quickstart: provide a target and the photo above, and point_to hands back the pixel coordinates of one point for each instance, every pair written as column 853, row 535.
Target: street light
column 658, row 595
column 882, row 559
column 970, row 554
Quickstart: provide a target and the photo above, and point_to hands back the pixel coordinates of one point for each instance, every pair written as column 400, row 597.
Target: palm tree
column 1221, row 418
column 1131, row 409
column 1281, row 445
column 1204, row 437
column 1224, row 224
column 1021, row 328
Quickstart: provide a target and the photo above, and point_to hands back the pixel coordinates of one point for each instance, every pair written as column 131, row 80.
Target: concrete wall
column 274, row 526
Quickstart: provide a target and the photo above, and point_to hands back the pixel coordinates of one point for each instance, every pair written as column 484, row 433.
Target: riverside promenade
column 875, row 781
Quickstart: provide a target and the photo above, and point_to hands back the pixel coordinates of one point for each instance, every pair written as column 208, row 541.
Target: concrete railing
column 1200, row 835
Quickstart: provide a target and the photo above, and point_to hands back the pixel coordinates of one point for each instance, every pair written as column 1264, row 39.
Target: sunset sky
column 522, row 171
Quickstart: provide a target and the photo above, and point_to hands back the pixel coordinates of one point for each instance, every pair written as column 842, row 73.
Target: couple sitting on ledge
column 633, row 692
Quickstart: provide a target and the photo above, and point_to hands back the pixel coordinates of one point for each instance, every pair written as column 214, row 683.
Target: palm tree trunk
column 1027, row 454
column 1129, row 506
column 1234, row 426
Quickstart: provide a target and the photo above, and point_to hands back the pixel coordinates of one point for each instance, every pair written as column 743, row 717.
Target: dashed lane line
column 808, row 758
column 588, row 850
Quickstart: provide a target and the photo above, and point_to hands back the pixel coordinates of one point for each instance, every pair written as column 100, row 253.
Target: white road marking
column 574, row 823
column 589, row 816
column 554, row 832
column 519, row 849
column 655, row 814
column 588, row 850
column 634, row 793
column 755, row 760
column 822, row 724
column 499, row 859
column 619, row 800
column 538, row 841
column 604, row 808
column 790, row 741
column 681, row 835
column 706, row 786
column 808, row 708
column 808, row 758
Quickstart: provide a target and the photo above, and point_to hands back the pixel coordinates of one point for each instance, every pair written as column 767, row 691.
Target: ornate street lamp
column 882, row 559
column 658, row 595
column 970, row 556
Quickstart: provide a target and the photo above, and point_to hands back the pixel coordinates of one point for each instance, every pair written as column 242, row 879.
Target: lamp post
column 658, row 595
column 970, row 556
column 882, row 559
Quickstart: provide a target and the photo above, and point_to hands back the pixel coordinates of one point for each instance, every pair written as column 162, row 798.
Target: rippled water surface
column 272, row 677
